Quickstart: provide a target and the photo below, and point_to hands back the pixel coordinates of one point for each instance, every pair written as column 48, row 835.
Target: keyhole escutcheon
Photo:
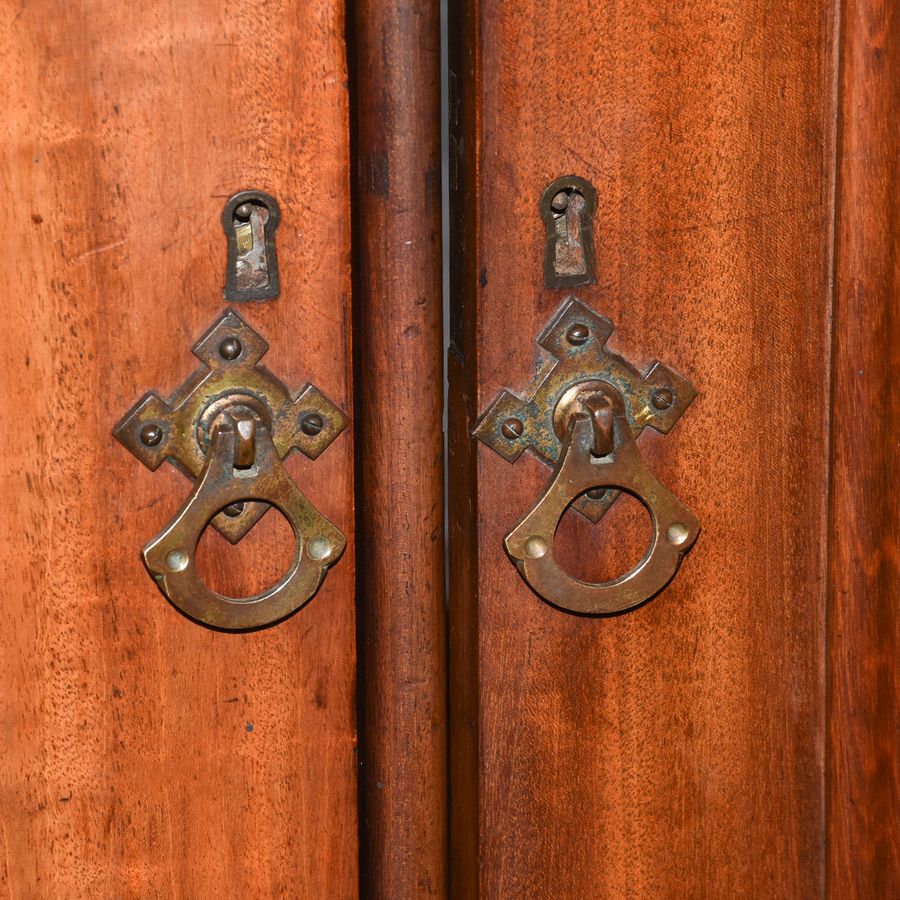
column 250, row 219
column 567, row 207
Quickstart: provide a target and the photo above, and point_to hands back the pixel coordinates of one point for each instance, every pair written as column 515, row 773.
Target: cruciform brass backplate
column 576, row 340
column 178, row 429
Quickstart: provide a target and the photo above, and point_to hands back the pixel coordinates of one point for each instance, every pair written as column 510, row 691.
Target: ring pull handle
column 242, row 465
column 599, row 451
column 581, row 415
column 228, row 427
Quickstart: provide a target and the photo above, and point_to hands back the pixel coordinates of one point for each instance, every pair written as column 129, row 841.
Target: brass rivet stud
column 233, row 510
column 151, row 434
column 244, row 211
column 512, row 429
column 596, row 493
column 662, row 398
column 312, row 424
column 535, row 546
column 177, row 560
column 578, row 334
column 319, row 548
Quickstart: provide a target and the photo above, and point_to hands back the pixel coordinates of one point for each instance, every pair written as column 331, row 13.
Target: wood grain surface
column 677, row 750
column 403, row 689
column 144, row 755
column 864, row 610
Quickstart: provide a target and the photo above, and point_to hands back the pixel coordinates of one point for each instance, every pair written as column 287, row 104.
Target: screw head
column 311, row 424
column 578, row 334
column 596, row 493
column 662, row 398
column 559, row 202
column 230, row 348
column 151, row 434
column 233, row 510
column 512, row 429
column 244, row 211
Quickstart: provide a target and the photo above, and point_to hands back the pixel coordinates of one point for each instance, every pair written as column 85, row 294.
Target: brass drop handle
column 229, row 426
column 581, row 415
column 599, row 451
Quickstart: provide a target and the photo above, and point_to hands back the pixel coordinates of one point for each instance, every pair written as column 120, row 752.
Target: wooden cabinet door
column 736, row 735
column 145, row 755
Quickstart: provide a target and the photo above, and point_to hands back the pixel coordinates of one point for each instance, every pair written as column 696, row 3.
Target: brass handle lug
column 599, row 408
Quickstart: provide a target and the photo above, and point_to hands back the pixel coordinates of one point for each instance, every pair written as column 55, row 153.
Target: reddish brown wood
column 400, row 388
column 144, row 755
column 864, row 599
column 677, row 750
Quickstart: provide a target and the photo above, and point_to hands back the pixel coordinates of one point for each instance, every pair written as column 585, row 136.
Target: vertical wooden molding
column 864, row 600
column 399, row 380
column 462, row 373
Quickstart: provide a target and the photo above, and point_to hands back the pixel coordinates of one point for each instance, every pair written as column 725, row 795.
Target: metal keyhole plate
column 250, row 219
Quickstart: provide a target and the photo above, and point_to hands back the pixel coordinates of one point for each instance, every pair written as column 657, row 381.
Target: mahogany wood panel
column 864, row 609
column 676, row 750
column 403, row 690
column 145, row 755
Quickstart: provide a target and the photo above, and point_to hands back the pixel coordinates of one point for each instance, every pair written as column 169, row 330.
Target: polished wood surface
column 145, row 755
column 676, row 750
column 864, row 610
column 397, row 336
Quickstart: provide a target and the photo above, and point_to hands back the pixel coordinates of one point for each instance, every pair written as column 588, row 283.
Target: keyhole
column 251, row 265
column 567, row 207
column 250, row 219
